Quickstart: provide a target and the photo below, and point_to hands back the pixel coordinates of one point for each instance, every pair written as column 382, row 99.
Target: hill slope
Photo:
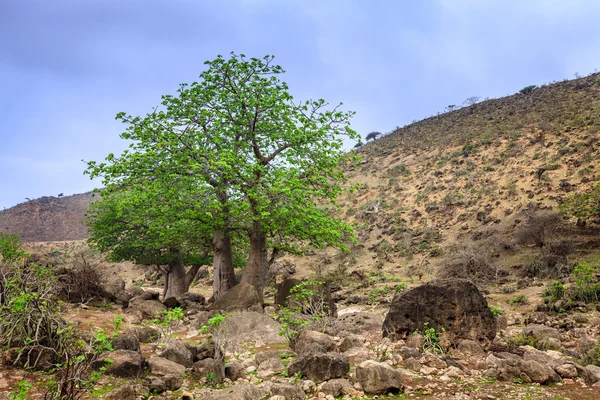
column 48, row 218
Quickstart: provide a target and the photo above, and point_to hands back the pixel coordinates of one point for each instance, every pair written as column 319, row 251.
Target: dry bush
column 538, row 228
column 82, row 282
column 468, row 262
column 551, row 262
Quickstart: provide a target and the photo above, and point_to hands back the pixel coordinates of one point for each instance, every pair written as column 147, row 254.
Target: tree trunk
column 256, row 269
column 177, row 280
column 224, row 276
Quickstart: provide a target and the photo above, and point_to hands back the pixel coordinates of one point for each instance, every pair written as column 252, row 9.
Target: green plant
column 591, row 355
column 10, row 248
column 308, row 306
column 168, row 322
column 555, row 291
column 210, row 378
column 431, row 338
column 519, row 299
column 528, row 89
column 23, row 388
column 400, row 287
column 586, row 287
column 217, row 327
column 496, row 311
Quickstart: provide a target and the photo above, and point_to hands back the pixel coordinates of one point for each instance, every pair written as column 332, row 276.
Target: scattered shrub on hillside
column 555, row 291
column 519, row 299
column 82, row 282
column 528, row 89
column 468, row 262
column 538, row 228
column 587, row 287
column 399, row 170
column 372, row 136
column 591, row 355
column 583, row 206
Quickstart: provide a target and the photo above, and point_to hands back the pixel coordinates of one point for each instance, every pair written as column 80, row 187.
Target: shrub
column 10, row 248
column 309, row 307
column 528, row 89
column 468, row 262
column 167, row 322
column 519, row 299
column 591, row 355
column 217, row 327
column 587, row 288
column 398, row 170
column 583, row 206
column 538, row 229
column 496, row 311
column 555, row 291
column 431, row 339
column 372, row 136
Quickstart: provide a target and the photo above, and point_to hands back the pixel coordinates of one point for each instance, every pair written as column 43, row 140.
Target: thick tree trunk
column 224, row 275
column 256, row 269
column 177, row 280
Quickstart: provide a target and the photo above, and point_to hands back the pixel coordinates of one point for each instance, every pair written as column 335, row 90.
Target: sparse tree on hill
column 269, row 165
column 583, row 206
column 472, row 100
column 373, row 136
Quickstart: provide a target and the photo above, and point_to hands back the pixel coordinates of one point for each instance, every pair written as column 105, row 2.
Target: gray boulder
column 378, row 377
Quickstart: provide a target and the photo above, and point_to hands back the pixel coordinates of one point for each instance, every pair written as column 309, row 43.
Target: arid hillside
column 48, row 218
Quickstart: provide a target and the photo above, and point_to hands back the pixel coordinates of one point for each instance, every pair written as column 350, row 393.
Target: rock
column 171, row 303
column 192, row 300
column 470, row 347
column 320, row 367
column 161, row 366
column 566, row 371
column 277, row 397
column 410, row 352
column 161, row 384
column 360, row 322
column 144, row 334
column 412, row 364
column 145, row 306
column 126, row 363
column 126, row 341
column 456, row 305
column 592, row 374
column 415, row 340
column 288, row 391
column 179, row 353
column 378, row 377
column 357, row 355
column 307, row 338
column 284, row 291
column 201, row 369
column 242, row 391
column 541, row 332
column 308, row 386
column 539, row 373
column 337, row 387
column 128, row 392
column 239, row 298
column 252, row 328
column 263, row 356
column 235, row 370
column 349, row 341
column 270, row 367
column 503, row 366
column 114, row 285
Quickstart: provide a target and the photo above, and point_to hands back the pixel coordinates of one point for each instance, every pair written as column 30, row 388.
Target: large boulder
column 239, row 298
column 209, row 367
column 376, row 377
column 288, row 391
column 126, row 341
column 163, row 367
column 320, row 366
column 455, row 305
column 313, row 341
column 128, row 391
column 146, row 305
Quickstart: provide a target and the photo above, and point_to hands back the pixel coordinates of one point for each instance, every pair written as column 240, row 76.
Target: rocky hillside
column 48, row 218
column 478, row 178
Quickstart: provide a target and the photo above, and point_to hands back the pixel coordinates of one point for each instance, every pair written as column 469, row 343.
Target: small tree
column 373, row 136
column 10, row 248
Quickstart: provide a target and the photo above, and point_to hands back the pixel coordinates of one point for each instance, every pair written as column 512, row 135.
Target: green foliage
column 168, row 321
column 519, row 299
column 399, row 170
column 375, row 295
column 528, row 89
column 591, row 355
column 308, row 306
column 468, row 149
column 400, row 287
column 232, row 152
column 555, row 291
column 23, row 388
column 496, row 311
column 586, row 288
column 431, row 338
column 584, row 206
column 10, row 248
column 217, row 328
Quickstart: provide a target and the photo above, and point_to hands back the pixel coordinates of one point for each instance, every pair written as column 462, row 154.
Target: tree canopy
column 231, row 153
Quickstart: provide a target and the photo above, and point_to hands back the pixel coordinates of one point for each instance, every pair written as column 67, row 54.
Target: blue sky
column 68, row 66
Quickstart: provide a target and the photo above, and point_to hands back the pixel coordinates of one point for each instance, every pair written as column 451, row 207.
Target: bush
column 591, row 355
column 10, row 248
column 519, row 299
column 555, row 291
column 583, row 206
column 469, row 262
column 82, row 283
column 528, row 89
column 587, row 288
column 538, row 229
